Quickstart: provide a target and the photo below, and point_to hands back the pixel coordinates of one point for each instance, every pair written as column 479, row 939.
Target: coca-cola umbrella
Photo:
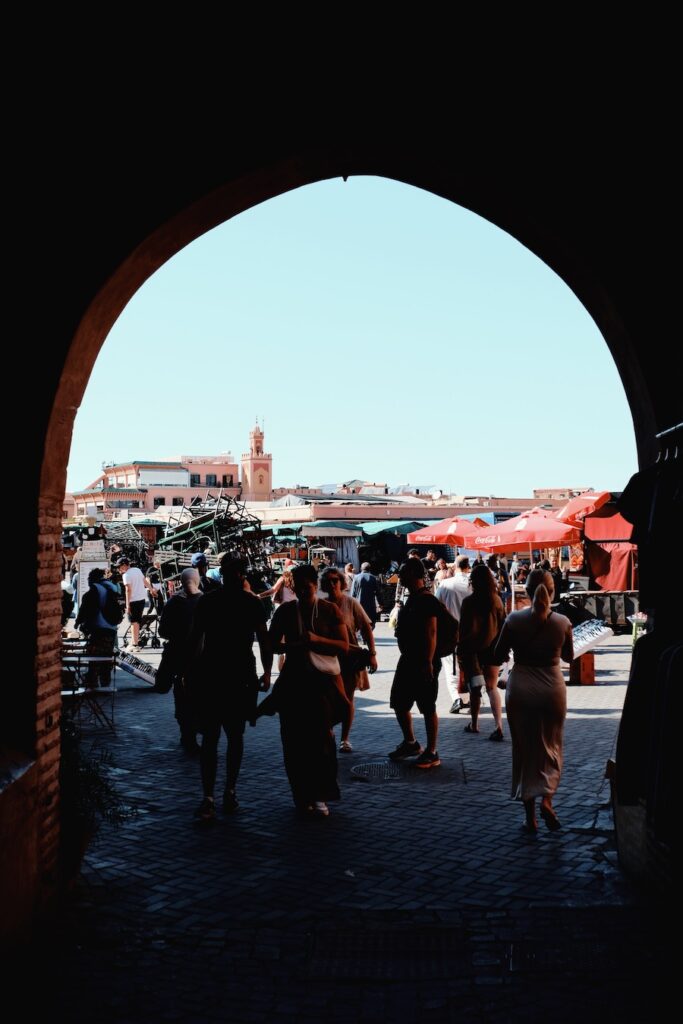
column 581, row 506
column 448, row 531
column 533, row 529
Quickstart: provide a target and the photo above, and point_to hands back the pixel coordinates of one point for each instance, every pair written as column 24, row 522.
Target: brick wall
column 48, row 682
column 29, row 803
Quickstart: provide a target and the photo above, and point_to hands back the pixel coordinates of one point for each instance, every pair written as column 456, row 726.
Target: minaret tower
column 257, row 469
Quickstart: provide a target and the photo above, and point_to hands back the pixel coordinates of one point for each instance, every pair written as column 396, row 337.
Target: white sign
column 93, row 550
column 84, row 570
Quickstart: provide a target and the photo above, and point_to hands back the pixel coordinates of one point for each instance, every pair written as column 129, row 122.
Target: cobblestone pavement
column 417, row 899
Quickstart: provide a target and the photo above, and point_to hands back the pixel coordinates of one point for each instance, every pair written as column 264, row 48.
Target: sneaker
column 230, row 801
column 405, row 749
column 206, row 810
column 459, row 705
column 321, row 809
column 427, row 760
column 345, row 747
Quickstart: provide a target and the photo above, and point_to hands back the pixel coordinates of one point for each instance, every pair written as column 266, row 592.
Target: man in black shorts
column 136, row 597
column 224, row 680
column 416, row 679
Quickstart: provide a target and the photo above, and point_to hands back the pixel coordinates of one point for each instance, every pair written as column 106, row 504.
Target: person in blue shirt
column 365, row 589
column 101, row 633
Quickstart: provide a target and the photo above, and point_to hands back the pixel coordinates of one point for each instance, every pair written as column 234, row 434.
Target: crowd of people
column 322, row 631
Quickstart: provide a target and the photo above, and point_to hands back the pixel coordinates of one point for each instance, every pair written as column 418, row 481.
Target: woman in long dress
column 354, row 676
column 309, row 699
column 481, row 618
column 536, row 698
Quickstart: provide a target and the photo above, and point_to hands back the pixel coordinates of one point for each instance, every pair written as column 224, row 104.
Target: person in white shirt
column 452, row 593
column 136, row 596
column 349, row 573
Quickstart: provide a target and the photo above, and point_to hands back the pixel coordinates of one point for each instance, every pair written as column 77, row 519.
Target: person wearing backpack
column 416, row 680
column 99, row 615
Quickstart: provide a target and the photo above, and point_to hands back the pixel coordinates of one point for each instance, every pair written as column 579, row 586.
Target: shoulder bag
column 327, row 663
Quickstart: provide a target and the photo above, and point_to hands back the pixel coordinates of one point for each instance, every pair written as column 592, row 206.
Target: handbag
column 359, row 657
column 363, row 683
column 326, row 663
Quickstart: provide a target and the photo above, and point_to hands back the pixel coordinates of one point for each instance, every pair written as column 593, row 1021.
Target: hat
column 289, row 563
column 199, row 558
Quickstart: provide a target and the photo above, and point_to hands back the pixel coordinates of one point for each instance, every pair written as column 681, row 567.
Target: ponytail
column 541, row 602
column 539, row 587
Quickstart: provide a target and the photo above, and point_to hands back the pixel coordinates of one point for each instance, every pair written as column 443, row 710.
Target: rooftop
column 140, row 462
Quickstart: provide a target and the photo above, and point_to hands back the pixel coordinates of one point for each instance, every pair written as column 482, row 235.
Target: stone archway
column 143, row 221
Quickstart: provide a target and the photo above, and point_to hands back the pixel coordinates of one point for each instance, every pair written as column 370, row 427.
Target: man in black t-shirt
column 225, row 682
column 417, row 674
column 558, row 579
column 429, row 562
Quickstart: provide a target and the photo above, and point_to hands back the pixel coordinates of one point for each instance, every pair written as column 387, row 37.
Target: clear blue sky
column 382, row 333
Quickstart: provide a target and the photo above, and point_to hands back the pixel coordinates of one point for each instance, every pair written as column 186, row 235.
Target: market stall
column 337, row 534
column 610, row 555
column 385, row 543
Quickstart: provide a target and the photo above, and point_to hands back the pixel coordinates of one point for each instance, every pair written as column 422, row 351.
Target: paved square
column 415, row 899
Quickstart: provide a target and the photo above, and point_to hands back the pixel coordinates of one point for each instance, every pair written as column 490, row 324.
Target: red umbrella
column 582, row 505
column 448, row 531
column 534, row 529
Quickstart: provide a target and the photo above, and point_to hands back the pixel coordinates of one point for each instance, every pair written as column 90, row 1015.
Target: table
column 78, row 698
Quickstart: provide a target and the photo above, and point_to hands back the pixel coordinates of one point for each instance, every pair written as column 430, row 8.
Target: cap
column 199, row 558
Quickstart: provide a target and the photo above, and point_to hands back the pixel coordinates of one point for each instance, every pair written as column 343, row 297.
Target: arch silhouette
column 119, row 215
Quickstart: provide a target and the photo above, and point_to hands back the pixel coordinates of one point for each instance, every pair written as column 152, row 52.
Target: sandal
column 550, row 818
column 468, row 728
column 497, row 736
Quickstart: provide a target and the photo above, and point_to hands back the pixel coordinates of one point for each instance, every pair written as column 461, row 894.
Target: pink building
column 142, row 485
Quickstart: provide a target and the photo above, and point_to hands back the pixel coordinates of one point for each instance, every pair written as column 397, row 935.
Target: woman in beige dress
column 536, row 698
